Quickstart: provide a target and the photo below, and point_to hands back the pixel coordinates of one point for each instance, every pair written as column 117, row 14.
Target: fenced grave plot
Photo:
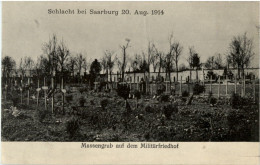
column 151, row 120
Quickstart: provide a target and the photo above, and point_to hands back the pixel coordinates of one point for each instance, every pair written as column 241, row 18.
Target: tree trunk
column 197, row 77
column 190, row 75
column 134, row 81
column 177, row 70
column 238, row 71
column 123, row 65
column 110, row 73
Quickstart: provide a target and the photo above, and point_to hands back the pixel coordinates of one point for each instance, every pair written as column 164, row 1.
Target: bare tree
column 169, row 58
column 50, row 49
column 196, row 63
column 119, row 65
column 218, row 61
column 143, row 64
column 134, row 65
column 161, row 62
column 103, row 62
column 177, row 50
column 29, row 64
column 8, row 65
column 22, row 68
column 71, row 65
column 155, row 60
column 79, row 62
column 182, row 67
column 85, row 65
column 110, row 62
column 41, row 66
column 62, row 56
column 190, row 59
column 150, row 53
column 210, row 63
column 123, row 63
column 241, row 52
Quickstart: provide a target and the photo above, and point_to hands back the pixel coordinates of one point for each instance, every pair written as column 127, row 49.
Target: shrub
column 72, row 127
column 41, row 115
column 210, row 94
column 235, row 100
column 104, row 103
column 137, row 94
column 159, row 91
column 15, row 100
column 198, row 89
column 149, row 109
column 183, row 99
column 213, row 100
column 59, row 96
column 237, row 123
column 164, row 98
column 185, row 94
column 82, row 101
column 202, row 123
column 92, row 102
column 81, row 90
column 69, row 98
column 169, row 109
column 123, row 90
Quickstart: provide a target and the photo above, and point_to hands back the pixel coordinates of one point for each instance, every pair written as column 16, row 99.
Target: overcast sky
column 208, row 26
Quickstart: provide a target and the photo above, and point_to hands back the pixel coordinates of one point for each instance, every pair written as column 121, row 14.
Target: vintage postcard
column 130, row 83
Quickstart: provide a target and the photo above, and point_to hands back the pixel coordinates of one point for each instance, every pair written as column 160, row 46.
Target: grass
column 196, row 122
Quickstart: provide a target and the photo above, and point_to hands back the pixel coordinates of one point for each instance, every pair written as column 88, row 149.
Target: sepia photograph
column 130, row 72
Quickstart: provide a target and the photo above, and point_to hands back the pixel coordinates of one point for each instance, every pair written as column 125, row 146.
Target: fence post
column 45, row 97
column 210, row 88
column 28, row 101
column 156, row 87
column 151, row 89
column 244, row 87
column 52, row 98
column 254, row 90
column 21, row 91
column 181, row 86
column 226, row 87
column 63, row 94
column 235, row 84
column 218, row 86
column 166, row 86
column 188, row 83
column 38, row 93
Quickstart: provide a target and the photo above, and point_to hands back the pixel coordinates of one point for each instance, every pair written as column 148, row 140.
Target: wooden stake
column 52, row 99
column 152, row 89
column 63, row 95
column 218, row 86
column 226, row 87
column 45, row 95
column 166, row 86
column 21, row 91
column 244, row 87
column 210, row 87
column 236, row 84
column 28, row 101
column 181, row 86
column 254, row 90
column 38, row 93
